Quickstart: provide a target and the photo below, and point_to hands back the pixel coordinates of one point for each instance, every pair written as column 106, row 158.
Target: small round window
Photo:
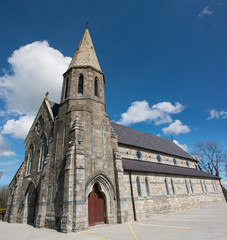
column 138, row 154
column 159, row 158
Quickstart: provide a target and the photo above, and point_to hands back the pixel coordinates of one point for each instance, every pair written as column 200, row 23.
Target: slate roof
column 54, row 107
column 145, row 166
column 144, row 140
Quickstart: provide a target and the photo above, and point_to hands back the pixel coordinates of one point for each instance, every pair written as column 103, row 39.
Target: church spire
column 85, row 54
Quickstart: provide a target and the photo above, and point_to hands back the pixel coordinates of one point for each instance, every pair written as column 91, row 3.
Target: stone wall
column 156, row 200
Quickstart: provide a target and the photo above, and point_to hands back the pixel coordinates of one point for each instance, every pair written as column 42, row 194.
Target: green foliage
column 3, row 197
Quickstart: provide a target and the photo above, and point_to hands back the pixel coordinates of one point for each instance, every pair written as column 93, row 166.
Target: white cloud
column 9, row 163
column 183, row 146
column 169, row 107
column 214, row 114
column 176, row 127
column 140, row 111
column 205, row 11
column 223, row 114
column 35, row 69
column 5, row 149
column 18, row 128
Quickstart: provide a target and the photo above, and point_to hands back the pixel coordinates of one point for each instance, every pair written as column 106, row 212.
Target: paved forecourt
column 207, row 223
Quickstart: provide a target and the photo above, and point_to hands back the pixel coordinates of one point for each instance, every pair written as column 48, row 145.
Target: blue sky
column 164, row 64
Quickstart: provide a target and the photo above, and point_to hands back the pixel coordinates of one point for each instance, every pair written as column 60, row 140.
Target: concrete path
column 207, row 223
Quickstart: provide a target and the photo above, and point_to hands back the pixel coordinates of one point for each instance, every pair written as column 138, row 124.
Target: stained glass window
column 138, row 154
column 147, row 187
column 186, row 185
column 173, row 188
column 138, row 186
column 167, row 187
column 43, row 152
column 190, row 182
column 30, row 160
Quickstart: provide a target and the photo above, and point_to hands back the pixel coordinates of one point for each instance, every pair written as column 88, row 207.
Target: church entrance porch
column 101, row 201
column 31, row 204
column 96, row 207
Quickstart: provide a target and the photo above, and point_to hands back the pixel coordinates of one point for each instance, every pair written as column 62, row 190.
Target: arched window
column 215, row 183
column 174, row 161
column 159, row 158
column 147, row 187
column 30, row 160
column 173, row 188
column 66, row 87
column 190, row 182
column 167, row 187
column 213, row 186
column 81, row 84
column 96, row 87
column 43, row 152
column 204, row 183
column 186, row 185
column 138, row 186
column 187, row 163
column 201, row 185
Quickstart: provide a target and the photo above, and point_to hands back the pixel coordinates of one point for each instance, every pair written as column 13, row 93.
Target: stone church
column 80, row 169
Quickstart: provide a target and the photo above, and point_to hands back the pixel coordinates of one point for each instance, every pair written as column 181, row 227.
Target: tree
column 210, row 156
column 3, row 196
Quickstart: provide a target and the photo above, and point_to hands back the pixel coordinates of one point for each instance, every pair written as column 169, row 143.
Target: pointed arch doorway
column 96, row 207
column 31, row 203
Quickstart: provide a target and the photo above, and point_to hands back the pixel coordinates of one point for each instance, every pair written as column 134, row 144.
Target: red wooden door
column 95, row 207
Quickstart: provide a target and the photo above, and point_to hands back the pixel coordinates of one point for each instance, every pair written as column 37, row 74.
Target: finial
column 87, row 24
column 171, row 138
column 46, row 95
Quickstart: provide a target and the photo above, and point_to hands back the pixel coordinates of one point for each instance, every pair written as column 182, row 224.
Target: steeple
column 85, row 54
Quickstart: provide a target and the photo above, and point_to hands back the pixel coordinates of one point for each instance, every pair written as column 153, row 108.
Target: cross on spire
column 87, row 24
column 46, row 95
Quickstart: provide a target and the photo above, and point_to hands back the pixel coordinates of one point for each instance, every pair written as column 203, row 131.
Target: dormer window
column 96, row 87
column 81, row 84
